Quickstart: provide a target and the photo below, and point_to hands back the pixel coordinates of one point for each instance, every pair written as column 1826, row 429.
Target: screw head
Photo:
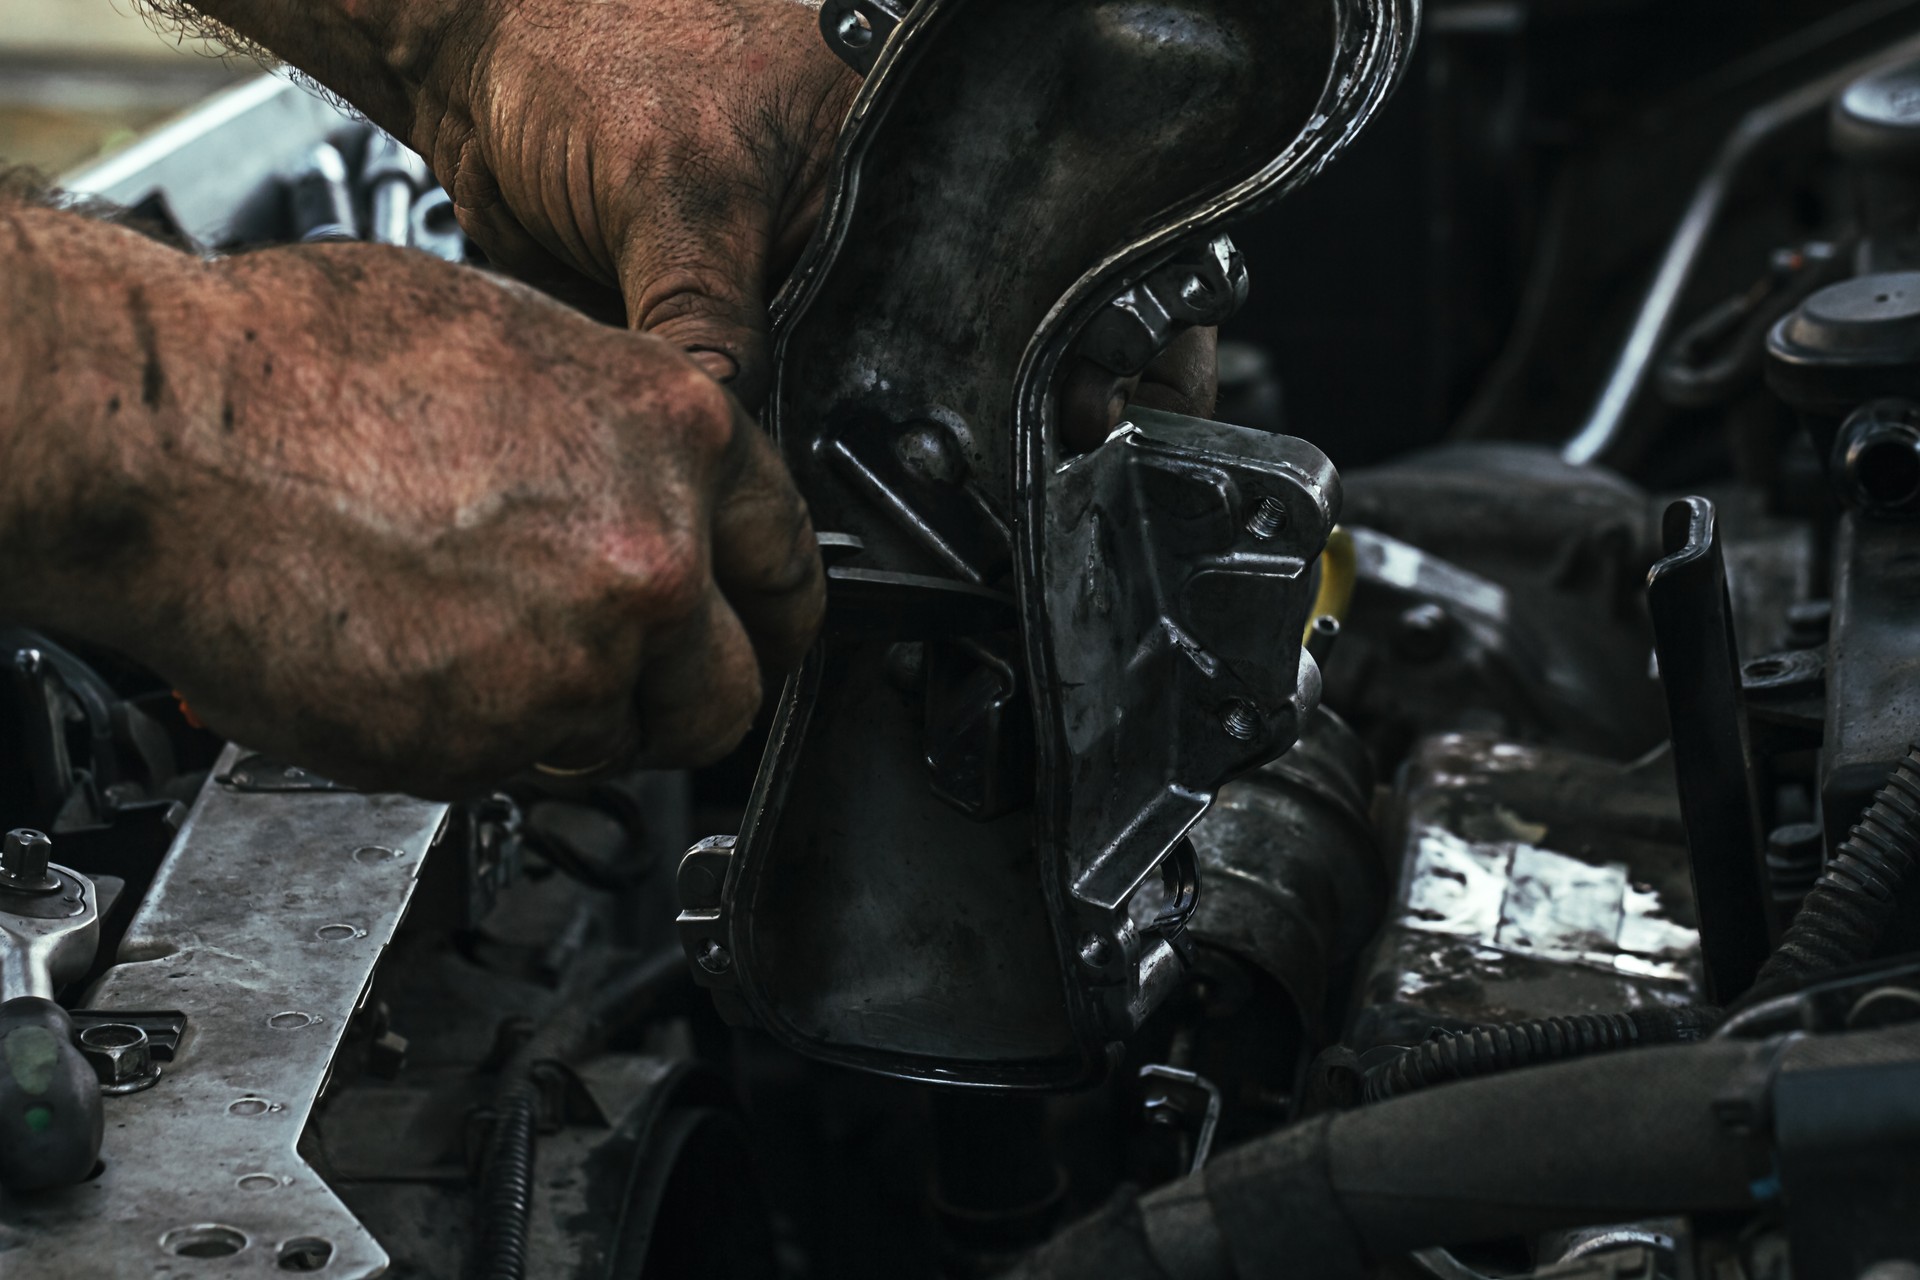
column 854, row 30
column 713, row 957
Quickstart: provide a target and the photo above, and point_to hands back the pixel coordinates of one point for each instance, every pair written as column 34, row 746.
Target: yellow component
column 1337, row 568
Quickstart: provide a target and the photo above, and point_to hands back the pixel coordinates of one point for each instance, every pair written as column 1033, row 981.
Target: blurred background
column 80, row 78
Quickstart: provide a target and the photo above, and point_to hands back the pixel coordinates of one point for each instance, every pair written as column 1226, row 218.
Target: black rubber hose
column 506, row 1188
column 1483, row 1051
column 1846, row 913
column 573, row 1032
column 1571, row 1144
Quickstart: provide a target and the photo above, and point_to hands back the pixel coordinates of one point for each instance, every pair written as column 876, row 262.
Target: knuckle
column 704, row 410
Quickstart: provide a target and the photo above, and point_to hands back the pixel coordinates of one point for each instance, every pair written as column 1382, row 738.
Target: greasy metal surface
column 1533, row 881
column 1174, row 641
column 263, row 927
column 1699, row 661
column 992, row 196
column 1873, row 662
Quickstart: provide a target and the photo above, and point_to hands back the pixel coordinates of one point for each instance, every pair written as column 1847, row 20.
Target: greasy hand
column 676, row 150
column 441, row 528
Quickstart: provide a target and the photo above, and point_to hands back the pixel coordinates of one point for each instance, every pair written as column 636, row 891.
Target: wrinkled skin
column 675, row 149
column 405, row 524
column 418, row 530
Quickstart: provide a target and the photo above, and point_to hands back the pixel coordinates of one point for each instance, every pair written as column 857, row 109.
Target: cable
column 1483, row 1051
column 1847, row 911
column 575, row 1031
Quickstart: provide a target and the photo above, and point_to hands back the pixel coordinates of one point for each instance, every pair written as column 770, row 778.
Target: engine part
column 577, row 1031
column 1533, row 882
column 1699, row 660
column 264, row 927
column 121, row 1056
column 1447, row 1056
column 319, row 200
column 1849, row 343
column 1876, row 462
column 1797, row 116
column 1293, row 878
column 1128, row 621
column 393, row 176
column 1872, row 707
column 1875, row 127
column 1330, row 1195
column 1846, row 914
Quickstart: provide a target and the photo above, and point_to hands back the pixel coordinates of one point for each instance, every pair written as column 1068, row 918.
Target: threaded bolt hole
column 1268, row 518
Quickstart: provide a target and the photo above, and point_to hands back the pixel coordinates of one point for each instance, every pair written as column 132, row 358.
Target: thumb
column 700, row 283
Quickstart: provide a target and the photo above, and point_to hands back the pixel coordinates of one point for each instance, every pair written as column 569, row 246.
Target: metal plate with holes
column 263, row 927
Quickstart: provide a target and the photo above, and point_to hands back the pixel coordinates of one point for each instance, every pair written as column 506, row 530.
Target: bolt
column 713, row 957
column 1095, row 951
column 121, row 1056
column 23, row 862
column 1423, row 632
column 1242, row 721
column 1268, row 518
column 854, row 30
column 928, row 452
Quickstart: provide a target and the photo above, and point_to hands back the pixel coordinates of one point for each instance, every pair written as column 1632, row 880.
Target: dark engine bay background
column 1526, row 312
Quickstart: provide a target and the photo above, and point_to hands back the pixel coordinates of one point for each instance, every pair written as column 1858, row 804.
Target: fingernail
column 720, row 365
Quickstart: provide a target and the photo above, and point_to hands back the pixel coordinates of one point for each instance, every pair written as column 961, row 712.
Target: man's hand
column 670, row 153
column 394, row 520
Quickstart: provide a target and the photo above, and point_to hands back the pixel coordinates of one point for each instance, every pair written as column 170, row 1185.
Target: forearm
column 376, row 54
column 109, row 366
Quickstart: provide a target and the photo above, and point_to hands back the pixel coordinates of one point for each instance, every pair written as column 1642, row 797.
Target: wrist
column 118, row 371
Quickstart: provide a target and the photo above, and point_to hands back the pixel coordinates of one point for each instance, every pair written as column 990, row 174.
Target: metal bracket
column 1036, row 667
column 1700, row 671
column 1200, row 287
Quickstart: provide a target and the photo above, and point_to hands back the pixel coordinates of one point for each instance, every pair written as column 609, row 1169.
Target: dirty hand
column 674, row 151
column 393, row 520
